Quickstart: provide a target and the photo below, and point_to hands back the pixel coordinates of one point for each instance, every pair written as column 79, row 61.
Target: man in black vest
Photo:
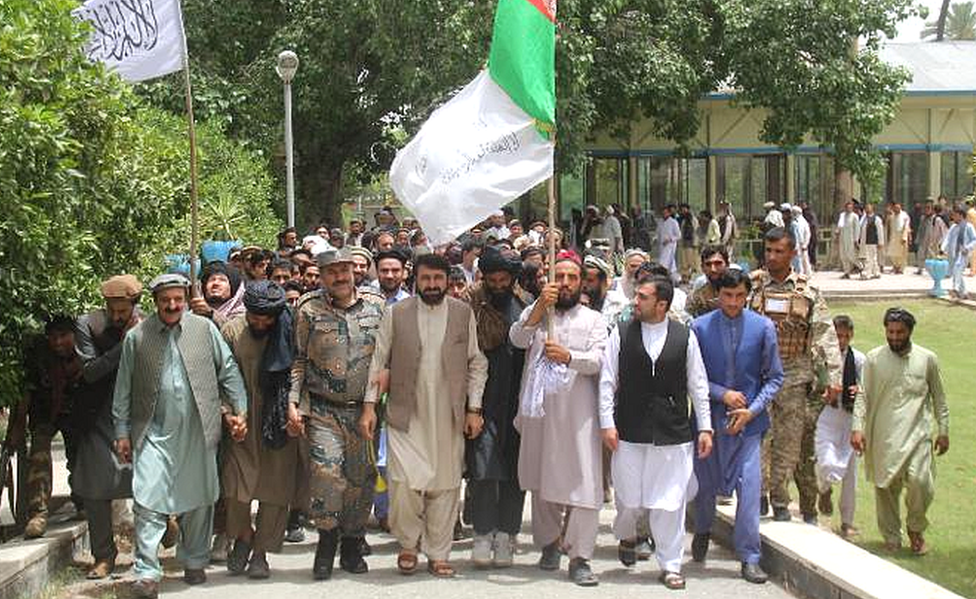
column 651, row 366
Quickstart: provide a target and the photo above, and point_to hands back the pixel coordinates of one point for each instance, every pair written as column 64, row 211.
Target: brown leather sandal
column 407, row 561
column 440, row 568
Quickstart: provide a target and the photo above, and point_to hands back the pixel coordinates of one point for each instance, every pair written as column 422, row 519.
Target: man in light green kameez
column 167, row 410
column 893, row 422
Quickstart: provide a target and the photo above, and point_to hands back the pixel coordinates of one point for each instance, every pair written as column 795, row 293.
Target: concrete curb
column 816, row 564
column 26, row 567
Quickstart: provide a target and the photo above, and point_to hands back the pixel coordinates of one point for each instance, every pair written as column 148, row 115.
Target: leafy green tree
column 91, row 182
column 956, row 22
column 373, row 70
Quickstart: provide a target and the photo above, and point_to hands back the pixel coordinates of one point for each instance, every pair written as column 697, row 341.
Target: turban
column 597, row 262
column 635, row 252
column 264, row 298
column 492, row 260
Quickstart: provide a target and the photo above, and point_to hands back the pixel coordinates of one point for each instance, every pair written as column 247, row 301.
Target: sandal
column 673, row 580
column 407, row 561
column 918, row 543
column 440, row 568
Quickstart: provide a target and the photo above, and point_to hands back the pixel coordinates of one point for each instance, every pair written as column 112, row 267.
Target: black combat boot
column 351, row 556
column 325, row 554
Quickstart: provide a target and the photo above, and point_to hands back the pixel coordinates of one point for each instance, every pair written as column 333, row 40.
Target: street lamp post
column 286, row 68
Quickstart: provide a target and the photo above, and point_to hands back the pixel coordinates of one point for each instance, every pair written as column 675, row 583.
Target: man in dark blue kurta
column 742, row 360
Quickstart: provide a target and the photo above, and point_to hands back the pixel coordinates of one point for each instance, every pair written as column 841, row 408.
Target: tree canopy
column 957, row 22
column 372, row 70
column 94, row 182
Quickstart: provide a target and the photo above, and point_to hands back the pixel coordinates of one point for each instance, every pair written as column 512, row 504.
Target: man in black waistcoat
column 651, row 366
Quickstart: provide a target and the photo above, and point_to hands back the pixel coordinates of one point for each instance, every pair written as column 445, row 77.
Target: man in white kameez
column 560, row 457
column 650, row 367
column 428, row 347
column 848, row 232
column 801, row 262
column 836, row 462
column 668, row 235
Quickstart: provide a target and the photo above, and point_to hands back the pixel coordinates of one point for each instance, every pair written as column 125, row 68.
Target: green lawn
column 950, row 331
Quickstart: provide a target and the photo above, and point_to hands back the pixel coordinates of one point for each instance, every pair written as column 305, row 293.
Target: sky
column 909, row 30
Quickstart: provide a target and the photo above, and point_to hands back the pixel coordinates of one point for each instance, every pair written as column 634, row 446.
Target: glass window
column 571, row 195
column 956, row 175
column 747, row 182
column 908, row 174
column 609, row 182
column 815, row 183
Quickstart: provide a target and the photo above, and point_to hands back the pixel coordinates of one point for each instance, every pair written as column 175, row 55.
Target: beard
column 499, row 299
column 899, row 346
column 215, row 301
column 568, row 299
column 433, row 296
column 259, row 333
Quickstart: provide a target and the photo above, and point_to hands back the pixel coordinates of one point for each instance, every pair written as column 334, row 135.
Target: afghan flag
column 492, row 141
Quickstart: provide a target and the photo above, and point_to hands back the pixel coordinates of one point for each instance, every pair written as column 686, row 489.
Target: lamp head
column 287, row 65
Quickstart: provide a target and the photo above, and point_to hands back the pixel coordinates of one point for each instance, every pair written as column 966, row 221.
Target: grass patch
column 950, row 331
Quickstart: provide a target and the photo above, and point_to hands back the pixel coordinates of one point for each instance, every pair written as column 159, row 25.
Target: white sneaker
column 504, row 550
column 481, row 551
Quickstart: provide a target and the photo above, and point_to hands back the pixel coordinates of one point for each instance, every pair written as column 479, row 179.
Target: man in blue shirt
column 742, row 361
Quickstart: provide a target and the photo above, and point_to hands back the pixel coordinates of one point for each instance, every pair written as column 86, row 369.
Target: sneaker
column 295, row 535
column 581, row 574
column 220, row 549
column 238, row 558
column 481, row 551
column 257, row 567
column 551, row 556
column 504, row 547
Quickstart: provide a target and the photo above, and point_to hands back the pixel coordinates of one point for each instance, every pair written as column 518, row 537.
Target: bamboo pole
column 194, row 202
column 551, row 190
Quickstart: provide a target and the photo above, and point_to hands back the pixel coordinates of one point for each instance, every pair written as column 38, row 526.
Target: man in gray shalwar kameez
column 167, row 411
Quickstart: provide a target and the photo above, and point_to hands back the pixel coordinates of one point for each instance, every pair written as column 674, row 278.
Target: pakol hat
column 121, row 287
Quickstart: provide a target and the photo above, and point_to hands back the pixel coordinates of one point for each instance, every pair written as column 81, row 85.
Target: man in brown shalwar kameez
column 264, row 465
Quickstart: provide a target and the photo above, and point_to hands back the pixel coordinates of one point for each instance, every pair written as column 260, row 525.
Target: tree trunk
column 941, row 25
column 322, row 195
column 843, row 187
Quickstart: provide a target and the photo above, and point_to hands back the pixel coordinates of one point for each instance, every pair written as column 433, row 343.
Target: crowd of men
column 357, row 377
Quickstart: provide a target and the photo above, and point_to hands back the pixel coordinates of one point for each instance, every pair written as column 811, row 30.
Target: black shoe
column 551, row 556
column 194, row 576
column 699, row 546
column 257, row 567
column 826, row 504
column 145, row 589
column 754, row 574
column 581, row 574
column 350, row 558
column 295, row 535
column 781, row 514
column 645, row 548
column 364, row 548
column 764, row 506
column 627, row 553
column 325, row 554
column 238, row 557
column 810, row 518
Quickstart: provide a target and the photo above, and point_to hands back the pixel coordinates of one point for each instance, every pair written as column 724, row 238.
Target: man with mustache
column 496, row 500
column 264, row 466
column 560, row 455
column 428, row 347
column 174, row 371
column 335, row 336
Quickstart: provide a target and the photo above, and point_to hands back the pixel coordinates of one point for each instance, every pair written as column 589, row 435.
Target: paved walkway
column 291, row 577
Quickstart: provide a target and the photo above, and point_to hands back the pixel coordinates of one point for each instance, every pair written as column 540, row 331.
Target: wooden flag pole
column 194, row 203
column 551, row 189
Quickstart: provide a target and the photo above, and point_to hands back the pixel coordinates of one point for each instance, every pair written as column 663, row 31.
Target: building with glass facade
column 928, row 148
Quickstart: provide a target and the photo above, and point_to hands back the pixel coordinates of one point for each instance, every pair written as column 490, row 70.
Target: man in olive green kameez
column 893, row 422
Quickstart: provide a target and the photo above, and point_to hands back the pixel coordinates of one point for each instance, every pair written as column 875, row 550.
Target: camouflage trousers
column 342, row 475
column 788, row 448
column 39, row 470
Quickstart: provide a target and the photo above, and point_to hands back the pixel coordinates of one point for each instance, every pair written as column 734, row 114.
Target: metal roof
column 936, row 67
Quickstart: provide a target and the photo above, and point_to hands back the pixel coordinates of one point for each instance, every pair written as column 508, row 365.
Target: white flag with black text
column 138, row 39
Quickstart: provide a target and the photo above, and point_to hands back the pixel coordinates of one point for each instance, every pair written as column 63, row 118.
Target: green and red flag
column 492, row 141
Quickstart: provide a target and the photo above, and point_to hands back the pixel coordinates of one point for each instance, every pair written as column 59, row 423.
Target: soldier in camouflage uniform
column 335, row 335
column 806, row 338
